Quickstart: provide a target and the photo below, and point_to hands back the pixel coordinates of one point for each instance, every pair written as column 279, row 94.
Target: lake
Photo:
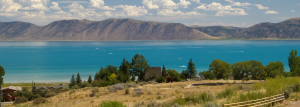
column 56, row 61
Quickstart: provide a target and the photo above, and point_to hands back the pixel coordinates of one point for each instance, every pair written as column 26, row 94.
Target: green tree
column 274, row 69
column 90, row 79
column 113, row 78
column 102, row 74
column 175, row 76
column 124, row 75
column 191, row 69
column 221, row 69
column 164, row 71
column 241, row 70
column 78, row 79
column 183, row 75
column 72, row 81
column 292, row 62
column 139, row 66
column 207, row 75
column 2, row 73
column 257, row 70
column 34, row 89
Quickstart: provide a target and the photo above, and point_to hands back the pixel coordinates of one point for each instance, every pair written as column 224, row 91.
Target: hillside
column 288, row 29
column 110, row 29
column 219, row 31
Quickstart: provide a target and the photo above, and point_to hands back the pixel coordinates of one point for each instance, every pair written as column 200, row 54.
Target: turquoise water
column 57, row 61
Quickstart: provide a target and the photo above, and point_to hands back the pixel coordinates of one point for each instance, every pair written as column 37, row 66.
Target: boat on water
column 183, row 66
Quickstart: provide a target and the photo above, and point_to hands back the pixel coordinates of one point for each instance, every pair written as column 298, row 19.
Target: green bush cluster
column 111, row 104
column 228, row 92
column 161, row 79
column 194, row 99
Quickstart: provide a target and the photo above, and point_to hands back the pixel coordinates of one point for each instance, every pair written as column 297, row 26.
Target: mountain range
column 131, row 29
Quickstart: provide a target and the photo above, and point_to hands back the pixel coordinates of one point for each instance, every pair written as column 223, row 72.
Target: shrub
column 111, row 104
column 126, row 91
column 180, row 101
column 94, row 91
column 39, row 101
column 75, row 87
column 161, row 79
column 50, row 94
column 228, row 92
column 19, row 100
column 158, row 97
column 117, row 86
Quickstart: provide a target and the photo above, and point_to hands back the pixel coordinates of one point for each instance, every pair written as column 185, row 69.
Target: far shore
column 139, row 40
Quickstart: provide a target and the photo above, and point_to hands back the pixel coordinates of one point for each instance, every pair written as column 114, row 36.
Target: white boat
column 183, row 66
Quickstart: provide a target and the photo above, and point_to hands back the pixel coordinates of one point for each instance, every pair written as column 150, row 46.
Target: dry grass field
column 139, row 95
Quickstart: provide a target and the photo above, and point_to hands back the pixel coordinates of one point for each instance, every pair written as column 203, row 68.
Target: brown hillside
column 110, row 29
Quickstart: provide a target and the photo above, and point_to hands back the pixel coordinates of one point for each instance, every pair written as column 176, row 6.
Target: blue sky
column 239, row 13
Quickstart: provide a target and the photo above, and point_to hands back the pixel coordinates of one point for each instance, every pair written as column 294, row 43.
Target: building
column 153, row 73
column 9, row 93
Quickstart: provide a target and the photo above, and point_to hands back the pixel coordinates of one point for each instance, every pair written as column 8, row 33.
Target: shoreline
column 144, row 40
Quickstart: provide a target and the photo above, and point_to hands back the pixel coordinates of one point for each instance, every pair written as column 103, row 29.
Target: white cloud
column 184, row 3
column 107, row 13
column 171, row 12
column 222, row 10
column 133, row 10
column 37, row 5
column 165, row 4
column 259, row 6
column 55, row 6
column 72, row 1
column 233, row 3
column 293, row 11
column 9, row 6
column 197, row 1
column 100, row 5
column 271, row 12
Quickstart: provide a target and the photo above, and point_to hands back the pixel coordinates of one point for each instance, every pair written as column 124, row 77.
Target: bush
column 111, row 104
column 50, row 94
column 39, row 101
column 180, row 101
column 158, row 97
column 94, row 92
column 126, row 91
column 19, row 100
column 161, row 79
column 117, row 86
column 228, row 92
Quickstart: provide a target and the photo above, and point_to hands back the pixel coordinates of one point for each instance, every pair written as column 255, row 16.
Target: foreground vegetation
column 122, row 81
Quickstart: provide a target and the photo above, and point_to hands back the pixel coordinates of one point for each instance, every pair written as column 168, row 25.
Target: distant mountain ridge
column 288, row 29
column 131, row 29
column 109, row 29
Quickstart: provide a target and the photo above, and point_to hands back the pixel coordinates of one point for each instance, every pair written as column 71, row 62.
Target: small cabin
column 8, row 93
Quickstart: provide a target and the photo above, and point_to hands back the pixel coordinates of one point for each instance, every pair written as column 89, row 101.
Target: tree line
column 128, row 71
column 252, row 69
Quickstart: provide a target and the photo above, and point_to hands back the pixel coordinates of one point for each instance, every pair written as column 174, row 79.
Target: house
column 8, row 93
column 153, row 73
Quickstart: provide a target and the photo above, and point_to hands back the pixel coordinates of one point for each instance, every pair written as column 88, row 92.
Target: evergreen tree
column 78, row 79
column 124, row 74
column 164, row 71
column 191, row 70
column 90, row 79
column 183, row 75
column 293, row 63
column 72, row 81
column 34, row 89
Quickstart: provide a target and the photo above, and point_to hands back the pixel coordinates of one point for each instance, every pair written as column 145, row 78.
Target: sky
column 238, row 13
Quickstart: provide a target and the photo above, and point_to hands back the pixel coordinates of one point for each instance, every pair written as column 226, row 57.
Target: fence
column 258, row 102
